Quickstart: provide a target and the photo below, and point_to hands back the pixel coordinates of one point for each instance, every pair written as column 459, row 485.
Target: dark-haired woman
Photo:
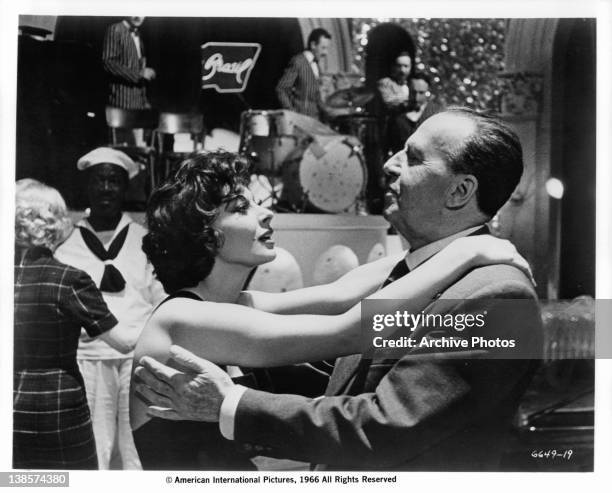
column 205, row 235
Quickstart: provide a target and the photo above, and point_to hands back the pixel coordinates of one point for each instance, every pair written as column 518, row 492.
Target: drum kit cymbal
column 352, row 97
column 310, row 167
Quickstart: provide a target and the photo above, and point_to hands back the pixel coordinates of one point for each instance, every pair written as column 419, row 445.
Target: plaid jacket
column 51, row 424
column 52, row 302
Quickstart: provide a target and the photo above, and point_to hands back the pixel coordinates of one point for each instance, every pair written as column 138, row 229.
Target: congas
column 266, row 138
column 328, row 176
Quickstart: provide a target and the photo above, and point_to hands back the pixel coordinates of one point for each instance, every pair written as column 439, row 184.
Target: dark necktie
column 112, row 280
column 361, row 372
column 400, row 270
column 136, row 32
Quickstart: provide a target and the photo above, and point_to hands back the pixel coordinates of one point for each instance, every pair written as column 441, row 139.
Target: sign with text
column 226, row 67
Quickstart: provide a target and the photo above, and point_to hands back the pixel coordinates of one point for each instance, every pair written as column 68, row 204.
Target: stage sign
column 226, row 67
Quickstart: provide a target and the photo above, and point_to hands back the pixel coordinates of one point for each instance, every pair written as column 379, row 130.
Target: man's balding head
column 493, row 154
column 457, row 169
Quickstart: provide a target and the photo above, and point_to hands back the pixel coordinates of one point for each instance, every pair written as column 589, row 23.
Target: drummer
column 298, row 89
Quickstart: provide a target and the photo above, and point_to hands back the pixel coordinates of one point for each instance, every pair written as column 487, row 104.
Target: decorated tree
column 463, row 57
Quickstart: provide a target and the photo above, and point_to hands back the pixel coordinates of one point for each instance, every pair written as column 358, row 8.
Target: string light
column 460, row 52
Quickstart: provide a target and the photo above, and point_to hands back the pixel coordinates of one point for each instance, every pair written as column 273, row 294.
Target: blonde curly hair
column 41, row 217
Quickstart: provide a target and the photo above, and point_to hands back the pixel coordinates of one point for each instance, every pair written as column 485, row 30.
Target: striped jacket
column 121, row 61
column 298, row 88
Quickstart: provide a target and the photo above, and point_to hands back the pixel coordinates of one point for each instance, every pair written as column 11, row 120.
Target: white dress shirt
column 135, row 38
column 227, row 414
column 313, row 63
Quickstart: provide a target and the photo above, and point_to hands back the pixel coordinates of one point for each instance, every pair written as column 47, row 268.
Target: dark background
column 61, row 81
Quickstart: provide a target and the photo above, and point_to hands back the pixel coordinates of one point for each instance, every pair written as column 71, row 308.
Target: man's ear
column 461, row 191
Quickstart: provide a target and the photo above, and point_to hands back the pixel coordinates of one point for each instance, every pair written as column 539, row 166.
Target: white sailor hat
column 108, row 155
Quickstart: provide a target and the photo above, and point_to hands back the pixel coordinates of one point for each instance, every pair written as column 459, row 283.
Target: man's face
column 106, row 187
column 420, row 178
column 420, row 91
column 321, row 48
column 402, row 67
column 136, row 21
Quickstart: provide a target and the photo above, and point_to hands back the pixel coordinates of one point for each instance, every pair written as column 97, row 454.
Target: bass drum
column 327, row 176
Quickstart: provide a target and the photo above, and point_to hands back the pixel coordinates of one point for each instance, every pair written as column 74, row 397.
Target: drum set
column 306, row 166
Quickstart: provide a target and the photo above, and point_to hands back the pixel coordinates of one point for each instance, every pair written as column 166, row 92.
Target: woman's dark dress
column 192, row 445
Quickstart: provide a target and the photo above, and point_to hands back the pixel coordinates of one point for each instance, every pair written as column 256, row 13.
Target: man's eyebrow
column 410, row 150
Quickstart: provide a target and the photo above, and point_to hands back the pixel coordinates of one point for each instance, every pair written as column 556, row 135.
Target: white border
column 151, row 481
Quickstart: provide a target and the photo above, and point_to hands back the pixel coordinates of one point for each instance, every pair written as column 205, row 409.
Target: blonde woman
column 51, row 422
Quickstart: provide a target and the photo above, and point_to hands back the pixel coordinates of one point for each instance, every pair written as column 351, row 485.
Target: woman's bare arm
column 327, row 299
column 234, row 334
column 116, row 339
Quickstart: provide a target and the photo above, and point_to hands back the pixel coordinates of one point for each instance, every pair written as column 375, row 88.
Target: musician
column 394, row 90
column 123, row 56
column 298, row 88
column 404, row 123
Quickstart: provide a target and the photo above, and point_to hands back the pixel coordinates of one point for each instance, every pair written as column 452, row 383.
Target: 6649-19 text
column 552, row 454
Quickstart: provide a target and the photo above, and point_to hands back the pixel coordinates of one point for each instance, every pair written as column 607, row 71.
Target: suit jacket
column 298, row 88
column 411, row 413
column 121, row 61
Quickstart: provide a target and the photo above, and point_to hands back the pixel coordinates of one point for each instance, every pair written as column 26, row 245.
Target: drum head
column 333, row 177
column 222, row 139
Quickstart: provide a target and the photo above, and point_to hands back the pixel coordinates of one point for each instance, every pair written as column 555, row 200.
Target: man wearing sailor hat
column 107, row 245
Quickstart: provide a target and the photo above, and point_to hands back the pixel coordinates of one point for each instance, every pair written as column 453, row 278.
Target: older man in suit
column 298, row 88
column 418, row 412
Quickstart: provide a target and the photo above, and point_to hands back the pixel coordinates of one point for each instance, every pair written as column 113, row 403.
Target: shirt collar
column 31, row 253
column 309, row 56
column 123, row 222
column 414, row 116
column 420, row 255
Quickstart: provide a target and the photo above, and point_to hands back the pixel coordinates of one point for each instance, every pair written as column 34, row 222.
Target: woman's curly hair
column 181, row 243
column 41, row 217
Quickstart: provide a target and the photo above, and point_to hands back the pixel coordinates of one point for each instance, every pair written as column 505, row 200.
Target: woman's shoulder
column 77, row 278
column 160, row 329
column 183, row 293
column 177, row 297
column 43, row 261
column 188, row 312
column 174, row 304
